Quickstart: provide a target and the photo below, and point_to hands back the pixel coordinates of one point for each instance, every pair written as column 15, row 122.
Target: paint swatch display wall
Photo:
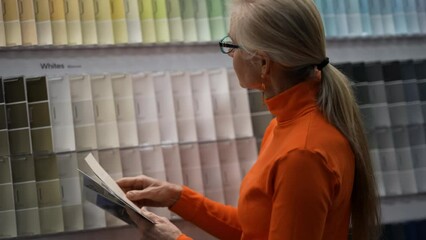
column 192, row 128
column 106, row 22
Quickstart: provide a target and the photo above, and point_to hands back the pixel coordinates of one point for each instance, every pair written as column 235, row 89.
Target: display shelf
column 330, row 40
column 169, row 57
column 395, row 209
column 403, row 208
column 111, row 233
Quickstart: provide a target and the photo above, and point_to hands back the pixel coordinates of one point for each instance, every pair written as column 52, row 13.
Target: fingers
column 140, row 221
column 137, row 195
column 154, row 217
column 138, row 182
column 130, row 182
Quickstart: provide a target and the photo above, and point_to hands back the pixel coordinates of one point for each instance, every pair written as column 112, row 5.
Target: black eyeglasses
column 226, row 45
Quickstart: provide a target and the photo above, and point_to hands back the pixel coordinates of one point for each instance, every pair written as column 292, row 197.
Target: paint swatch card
column 88, row 22
column 404, row 160
column 6, row 197
column 5, row 170
column 341, row 17
column 166, row 109
column 8, row 228
column 172, row 163
column 247, row 154
column 61, row 114
column 73, row 217
column 130, row 162
column 4, row 148
column 387, row 17
column 399, row 18
column 175, row 21
column 146, row 109
column 260, row 122
column 365, row 17
column 51, row 220
column 203, row 107
column 2, row 32
column 191, row 167
column 184, row 109
column 329, row 18
column 421, row 11
column 83, row 115
column 395, row 93
column 227, row 14
column 110, row 160
column 221, row 102
column 188, row 20
column 411, row 92
column 59, row 27
column 104, row 110
column 28, row 222
column 202, row 21
column 43, row 23
column 212, row 175
column 230, row 167
column 71, row 192
column 378, row 109
column 39, row 115
column 133, row 22
column 122, row 88
column 240, row 107
column 17, row 116
column 216, row 19
column 94, row 217
column 12, row 24
column 411, row 15
column 28, row 22
column 146, row 13
column 119, row 23
column 72, row 17
column 162, row 28
column 104, row 26
column 376, row 17
column 4, row 136
column 353, row 12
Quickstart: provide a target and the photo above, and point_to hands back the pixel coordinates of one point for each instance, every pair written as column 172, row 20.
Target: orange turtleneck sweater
column 300, row 186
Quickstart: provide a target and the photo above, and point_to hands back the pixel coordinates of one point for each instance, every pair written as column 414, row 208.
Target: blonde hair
column 291, row 33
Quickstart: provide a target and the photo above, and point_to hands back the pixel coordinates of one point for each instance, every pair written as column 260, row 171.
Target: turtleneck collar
column 295, row 101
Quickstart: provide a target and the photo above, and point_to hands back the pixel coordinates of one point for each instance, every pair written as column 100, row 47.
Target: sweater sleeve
column 303, row 189
column 215, row 218
column 183, row 237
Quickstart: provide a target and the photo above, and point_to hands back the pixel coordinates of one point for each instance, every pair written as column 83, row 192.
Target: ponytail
column 337, row 102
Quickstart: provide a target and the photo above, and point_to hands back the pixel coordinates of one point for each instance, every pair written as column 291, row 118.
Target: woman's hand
column 163, row 229
column 146, row 191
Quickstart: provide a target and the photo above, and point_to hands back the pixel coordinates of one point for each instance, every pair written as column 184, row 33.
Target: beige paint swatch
column 44, row 26
column 59, row 27
column 12, row 25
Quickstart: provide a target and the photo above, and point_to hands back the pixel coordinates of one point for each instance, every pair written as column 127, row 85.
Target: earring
column 263, row 92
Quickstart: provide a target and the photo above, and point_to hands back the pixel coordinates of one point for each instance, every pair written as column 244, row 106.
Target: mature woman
column 313, row 177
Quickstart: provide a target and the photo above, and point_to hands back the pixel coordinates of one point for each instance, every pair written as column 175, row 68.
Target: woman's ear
column 265, row 65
